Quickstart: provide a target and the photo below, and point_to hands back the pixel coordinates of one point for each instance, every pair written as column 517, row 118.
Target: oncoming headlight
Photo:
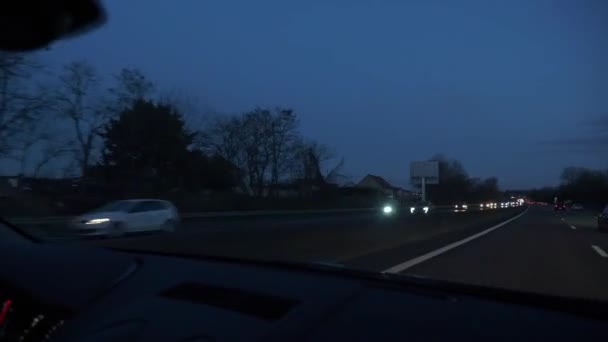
column 412, row 209
column 387, row 209
column 425, row 209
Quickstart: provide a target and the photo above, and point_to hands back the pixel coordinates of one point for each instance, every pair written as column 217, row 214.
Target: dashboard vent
column 262, row 306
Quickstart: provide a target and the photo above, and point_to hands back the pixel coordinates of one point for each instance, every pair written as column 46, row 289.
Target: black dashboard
column 71, row 293
column 25, row 319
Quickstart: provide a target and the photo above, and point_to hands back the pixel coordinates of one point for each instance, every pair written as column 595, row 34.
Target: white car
column 120, row 217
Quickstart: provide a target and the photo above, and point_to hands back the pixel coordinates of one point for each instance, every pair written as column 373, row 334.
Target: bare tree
column 22, row 147
column 52, row 150
column 283, row 143
column 130, row 85
column 223, row 138
column 184, row 101
column 268, row 148
column 78, row 101
column 255, row 139
column 21, row 101
column 196, row 114
column 335, row 175
column 571, row 174
column 244, row 140
column 37, row 147
column 311, row 157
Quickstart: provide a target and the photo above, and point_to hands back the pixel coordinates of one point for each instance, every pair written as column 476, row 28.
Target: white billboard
column 429, row 170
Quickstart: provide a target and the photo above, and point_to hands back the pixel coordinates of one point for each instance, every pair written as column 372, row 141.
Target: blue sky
column 510, row 88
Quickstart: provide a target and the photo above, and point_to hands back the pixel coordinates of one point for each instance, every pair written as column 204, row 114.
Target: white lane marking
column 422, row 258
column 573, row 227
column 600, row 251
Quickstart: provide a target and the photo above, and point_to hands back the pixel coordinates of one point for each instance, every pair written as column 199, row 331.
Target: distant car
column 486, row 206
column 460, row 207
column 602, row 220
column 490, row 205
column 390, row 208
column 421, row 208
column 559, row 207
column 576, row 206
column 127, row 216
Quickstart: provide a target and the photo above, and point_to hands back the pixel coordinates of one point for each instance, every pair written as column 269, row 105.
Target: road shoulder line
column 422, row 258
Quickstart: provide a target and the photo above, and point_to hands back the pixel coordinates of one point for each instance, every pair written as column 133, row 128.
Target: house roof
column 383, row 183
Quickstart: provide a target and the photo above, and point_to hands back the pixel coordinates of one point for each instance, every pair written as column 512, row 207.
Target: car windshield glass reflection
column 298, row 134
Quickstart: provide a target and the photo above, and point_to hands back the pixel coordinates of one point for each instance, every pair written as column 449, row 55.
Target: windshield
column 441, row 139
column 117, row 206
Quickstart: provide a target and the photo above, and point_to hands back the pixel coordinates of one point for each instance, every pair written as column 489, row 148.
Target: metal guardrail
column 272, row 213
column 39, row 220
column 216, row 214
column 226, row 214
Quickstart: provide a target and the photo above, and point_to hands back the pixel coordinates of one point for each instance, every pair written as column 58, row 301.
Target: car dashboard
column 24, row 319
column 72, row 293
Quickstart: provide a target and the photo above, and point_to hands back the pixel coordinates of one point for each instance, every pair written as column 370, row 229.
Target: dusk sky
column 513, row 89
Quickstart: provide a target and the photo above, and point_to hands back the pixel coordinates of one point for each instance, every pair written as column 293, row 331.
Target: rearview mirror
column 27, row 25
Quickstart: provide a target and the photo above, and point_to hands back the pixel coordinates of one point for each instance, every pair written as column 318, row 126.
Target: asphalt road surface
column 542, row 251
column 335, row 239
column 535, row 250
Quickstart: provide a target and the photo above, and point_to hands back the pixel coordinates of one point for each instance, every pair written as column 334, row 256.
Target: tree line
column 455, row 185
column 578, row 184
column 121, row 131
column 124, row 133
column 61, row 113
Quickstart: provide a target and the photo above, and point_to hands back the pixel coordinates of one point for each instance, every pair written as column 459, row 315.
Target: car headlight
column 464, row 206
column 387, row 209
column 456, row 206
column 412, row 209
column 426, row 209
column 97, row 221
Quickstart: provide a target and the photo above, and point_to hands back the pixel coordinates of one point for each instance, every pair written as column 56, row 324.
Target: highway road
column 335, row 239
column 543, row 251
column 535, row 250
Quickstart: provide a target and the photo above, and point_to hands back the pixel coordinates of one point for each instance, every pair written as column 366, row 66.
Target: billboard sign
column 429, row 170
